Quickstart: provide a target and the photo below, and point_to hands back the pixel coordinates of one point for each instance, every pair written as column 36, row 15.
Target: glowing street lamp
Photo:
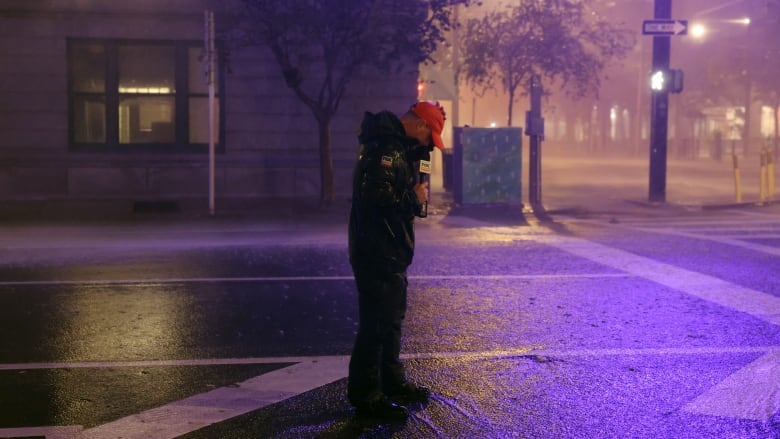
column 698, row 31
column 701, row 29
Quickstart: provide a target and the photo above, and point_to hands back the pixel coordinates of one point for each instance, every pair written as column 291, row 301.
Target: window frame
column 111, row 96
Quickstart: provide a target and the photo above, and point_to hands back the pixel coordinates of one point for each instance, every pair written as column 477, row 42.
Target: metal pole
column 659, row 109
column 210, row 74
column 535, row 130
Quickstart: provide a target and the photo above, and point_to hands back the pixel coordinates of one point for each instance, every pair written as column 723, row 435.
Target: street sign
column 665, row 27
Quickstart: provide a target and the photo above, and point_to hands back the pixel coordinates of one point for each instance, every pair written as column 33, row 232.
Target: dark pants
column 375, row 366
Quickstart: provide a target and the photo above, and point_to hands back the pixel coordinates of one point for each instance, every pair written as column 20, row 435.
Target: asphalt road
column 645, row 323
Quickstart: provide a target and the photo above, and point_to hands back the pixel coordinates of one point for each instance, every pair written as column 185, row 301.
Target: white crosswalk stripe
column 753, row 392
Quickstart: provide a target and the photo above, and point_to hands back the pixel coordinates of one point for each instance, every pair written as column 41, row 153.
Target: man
column 385, row 199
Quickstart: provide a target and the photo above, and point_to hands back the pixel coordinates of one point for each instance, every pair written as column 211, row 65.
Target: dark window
column 139, row 96
column 88, row 92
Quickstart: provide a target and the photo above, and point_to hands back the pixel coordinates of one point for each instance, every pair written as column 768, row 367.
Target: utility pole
column 659, row 108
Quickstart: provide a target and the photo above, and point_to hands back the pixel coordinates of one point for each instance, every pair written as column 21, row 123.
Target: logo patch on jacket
column 387, row 161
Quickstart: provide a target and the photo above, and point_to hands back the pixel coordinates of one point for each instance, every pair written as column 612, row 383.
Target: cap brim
column 437, row 142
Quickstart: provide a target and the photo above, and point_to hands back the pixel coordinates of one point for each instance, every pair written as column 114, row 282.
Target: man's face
column 421, row 132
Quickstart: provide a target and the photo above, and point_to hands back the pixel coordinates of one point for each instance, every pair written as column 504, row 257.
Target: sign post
column 659, row 107
column 210, row 76
column 665, row 27
column 534, row 128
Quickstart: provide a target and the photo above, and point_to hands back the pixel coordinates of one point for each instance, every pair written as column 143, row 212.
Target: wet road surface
column 649, row 323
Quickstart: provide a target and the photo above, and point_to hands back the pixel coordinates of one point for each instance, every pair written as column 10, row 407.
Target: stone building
column 104, row 107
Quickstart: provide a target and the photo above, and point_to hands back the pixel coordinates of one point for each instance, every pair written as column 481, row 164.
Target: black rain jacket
column 381, row 224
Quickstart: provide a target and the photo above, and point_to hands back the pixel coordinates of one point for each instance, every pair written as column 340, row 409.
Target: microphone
column 425, row 173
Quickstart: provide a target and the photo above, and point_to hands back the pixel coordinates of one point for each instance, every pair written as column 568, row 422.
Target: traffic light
column 670, row 81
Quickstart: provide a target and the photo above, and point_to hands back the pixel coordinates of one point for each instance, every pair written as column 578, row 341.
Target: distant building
column 104, row 103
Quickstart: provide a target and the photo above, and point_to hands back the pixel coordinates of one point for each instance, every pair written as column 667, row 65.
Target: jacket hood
column 380, row 125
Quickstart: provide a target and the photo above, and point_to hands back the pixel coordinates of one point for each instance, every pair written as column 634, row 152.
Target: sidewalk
column 594, row 183
column 570, row 185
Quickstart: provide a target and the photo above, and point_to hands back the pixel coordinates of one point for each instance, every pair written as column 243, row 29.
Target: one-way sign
column 665, row 27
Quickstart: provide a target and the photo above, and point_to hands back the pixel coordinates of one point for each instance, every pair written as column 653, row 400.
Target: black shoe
column 408, row 393
column 380, row 409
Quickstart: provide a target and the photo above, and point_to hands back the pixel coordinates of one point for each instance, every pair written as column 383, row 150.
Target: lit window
column 138, row 95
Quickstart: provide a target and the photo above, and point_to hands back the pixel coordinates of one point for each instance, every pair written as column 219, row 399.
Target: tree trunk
column 326, row 162
column 511, row 105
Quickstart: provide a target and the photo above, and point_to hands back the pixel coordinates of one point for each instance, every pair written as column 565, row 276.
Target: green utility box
column 487, row 166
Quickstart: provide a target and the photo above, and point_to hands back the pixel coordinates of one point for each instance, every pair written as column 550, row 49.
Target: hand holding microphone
column 421, row 189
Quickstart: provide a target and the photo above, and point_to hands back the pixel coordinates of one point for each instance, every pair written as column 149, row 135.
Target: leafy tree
column 563, row 41
column 746, row 76
column 766, row 68
column 321, row 45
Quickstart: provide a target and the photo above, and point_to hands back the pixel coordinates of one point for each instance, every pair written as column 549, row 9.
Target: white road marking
column 499, row 353
column 196, row 412
column 745, row 235
column 716, row 223
column 69, row 432
column 161, row 363
column 723, row 239
column 730, row 232
column 99, row 282
column 265, row 389
column 750, row 393
column 756, row 303
column 764, row 397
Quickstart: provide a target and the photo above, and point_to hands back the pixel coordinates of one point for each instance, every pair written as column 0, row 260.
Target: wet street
column 644, row 323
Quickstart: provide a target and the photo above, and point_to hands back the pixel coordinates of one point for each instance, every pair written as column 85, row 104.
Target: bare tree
column 321, row 45
column 562, row 40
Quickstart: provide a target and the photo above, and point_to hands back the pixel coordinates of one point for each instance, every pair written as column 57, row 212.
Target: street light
column 698, row 31
column 704, row 29
column 701, row 29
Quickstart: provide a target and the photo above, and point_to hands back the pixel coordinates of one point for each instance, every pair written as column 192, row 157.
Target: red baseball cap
column 434, row 116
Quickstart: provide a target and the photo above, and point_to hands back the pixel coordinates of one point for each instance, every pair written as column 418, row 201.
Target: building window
column 139, row 95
